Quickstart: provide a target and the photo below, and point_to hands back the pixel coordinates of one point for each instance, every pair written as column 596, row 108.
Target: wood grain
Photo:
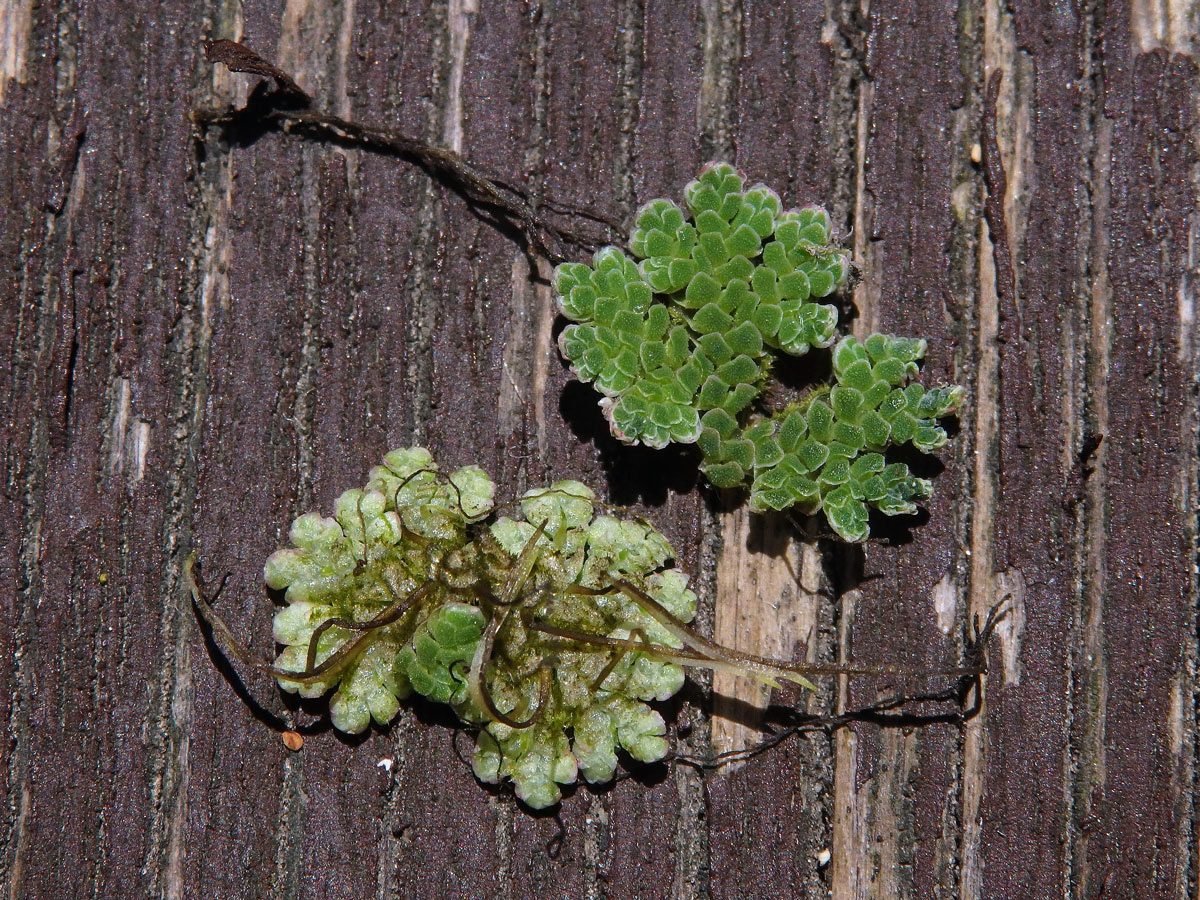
column 202, row 341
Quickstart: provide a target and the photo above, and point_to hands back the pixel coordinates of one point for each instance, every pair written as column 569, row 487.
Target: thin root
column 312, row 674
column 288, row 110
column 477, row 685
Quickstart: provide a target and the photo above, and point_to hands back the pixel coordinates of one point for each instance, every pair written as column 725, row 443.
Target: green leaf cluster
column 481, row 615
column 740, row 274
column 680, row 345
column 826, row 453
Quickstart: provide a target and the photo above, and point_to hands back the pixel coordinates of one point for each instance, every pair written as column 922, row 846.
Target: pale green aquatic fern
column 550, row 631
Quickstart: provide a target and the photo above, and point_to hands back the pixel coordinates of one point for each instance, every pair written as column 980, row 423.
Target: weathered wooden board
column 202, row 341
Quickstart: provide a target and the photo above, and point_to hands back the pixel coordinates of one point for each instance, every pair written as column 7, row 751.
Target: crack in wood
column 16, row 25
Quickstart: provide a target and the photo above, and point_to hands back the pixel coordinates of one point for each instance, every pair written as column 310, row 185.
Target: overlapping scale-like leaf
column 681, row 343
column 720, row 287
column 827, row 453
column 628, row 348
column 402, row 550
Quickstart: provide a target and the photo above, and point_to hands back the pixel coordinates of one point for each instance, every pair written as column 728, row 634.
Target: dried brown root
column 477, row 682
column 311, row 674
column 889, row 712
column 288, row 109
column 701, row 652
column 619, row 655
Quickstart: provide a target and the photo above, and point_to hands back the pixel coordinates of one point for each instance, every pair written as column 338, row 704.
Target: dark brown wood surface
column 202, row 341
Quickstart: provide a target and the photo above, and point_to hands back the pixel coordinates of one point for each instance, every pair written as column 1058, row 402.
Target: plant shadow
column 634, row 474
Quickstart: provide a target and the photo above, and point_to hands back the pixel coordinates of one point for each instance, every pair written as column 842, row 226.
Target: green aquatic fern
column 549, row 631
column 681, row 343
column 552, row 631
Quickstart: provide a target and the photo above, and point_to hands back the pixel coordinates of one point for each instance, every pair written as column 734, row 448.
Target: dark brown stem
column 706, row 653
column 311, row 674
column 288, row 110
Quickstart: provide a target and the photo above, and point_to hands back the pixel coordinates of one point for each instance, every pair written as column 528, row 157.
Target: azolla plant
column 549, row 631
column 680, row 340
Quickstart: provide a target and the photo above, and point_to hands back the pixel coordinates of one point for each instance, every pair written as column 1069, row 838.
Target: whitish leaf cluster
column 549, row 631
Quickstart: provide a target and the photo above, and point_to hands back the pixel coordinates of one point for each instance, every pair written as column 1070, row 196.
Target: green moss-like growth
column 549, row 630
column 681, row 343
